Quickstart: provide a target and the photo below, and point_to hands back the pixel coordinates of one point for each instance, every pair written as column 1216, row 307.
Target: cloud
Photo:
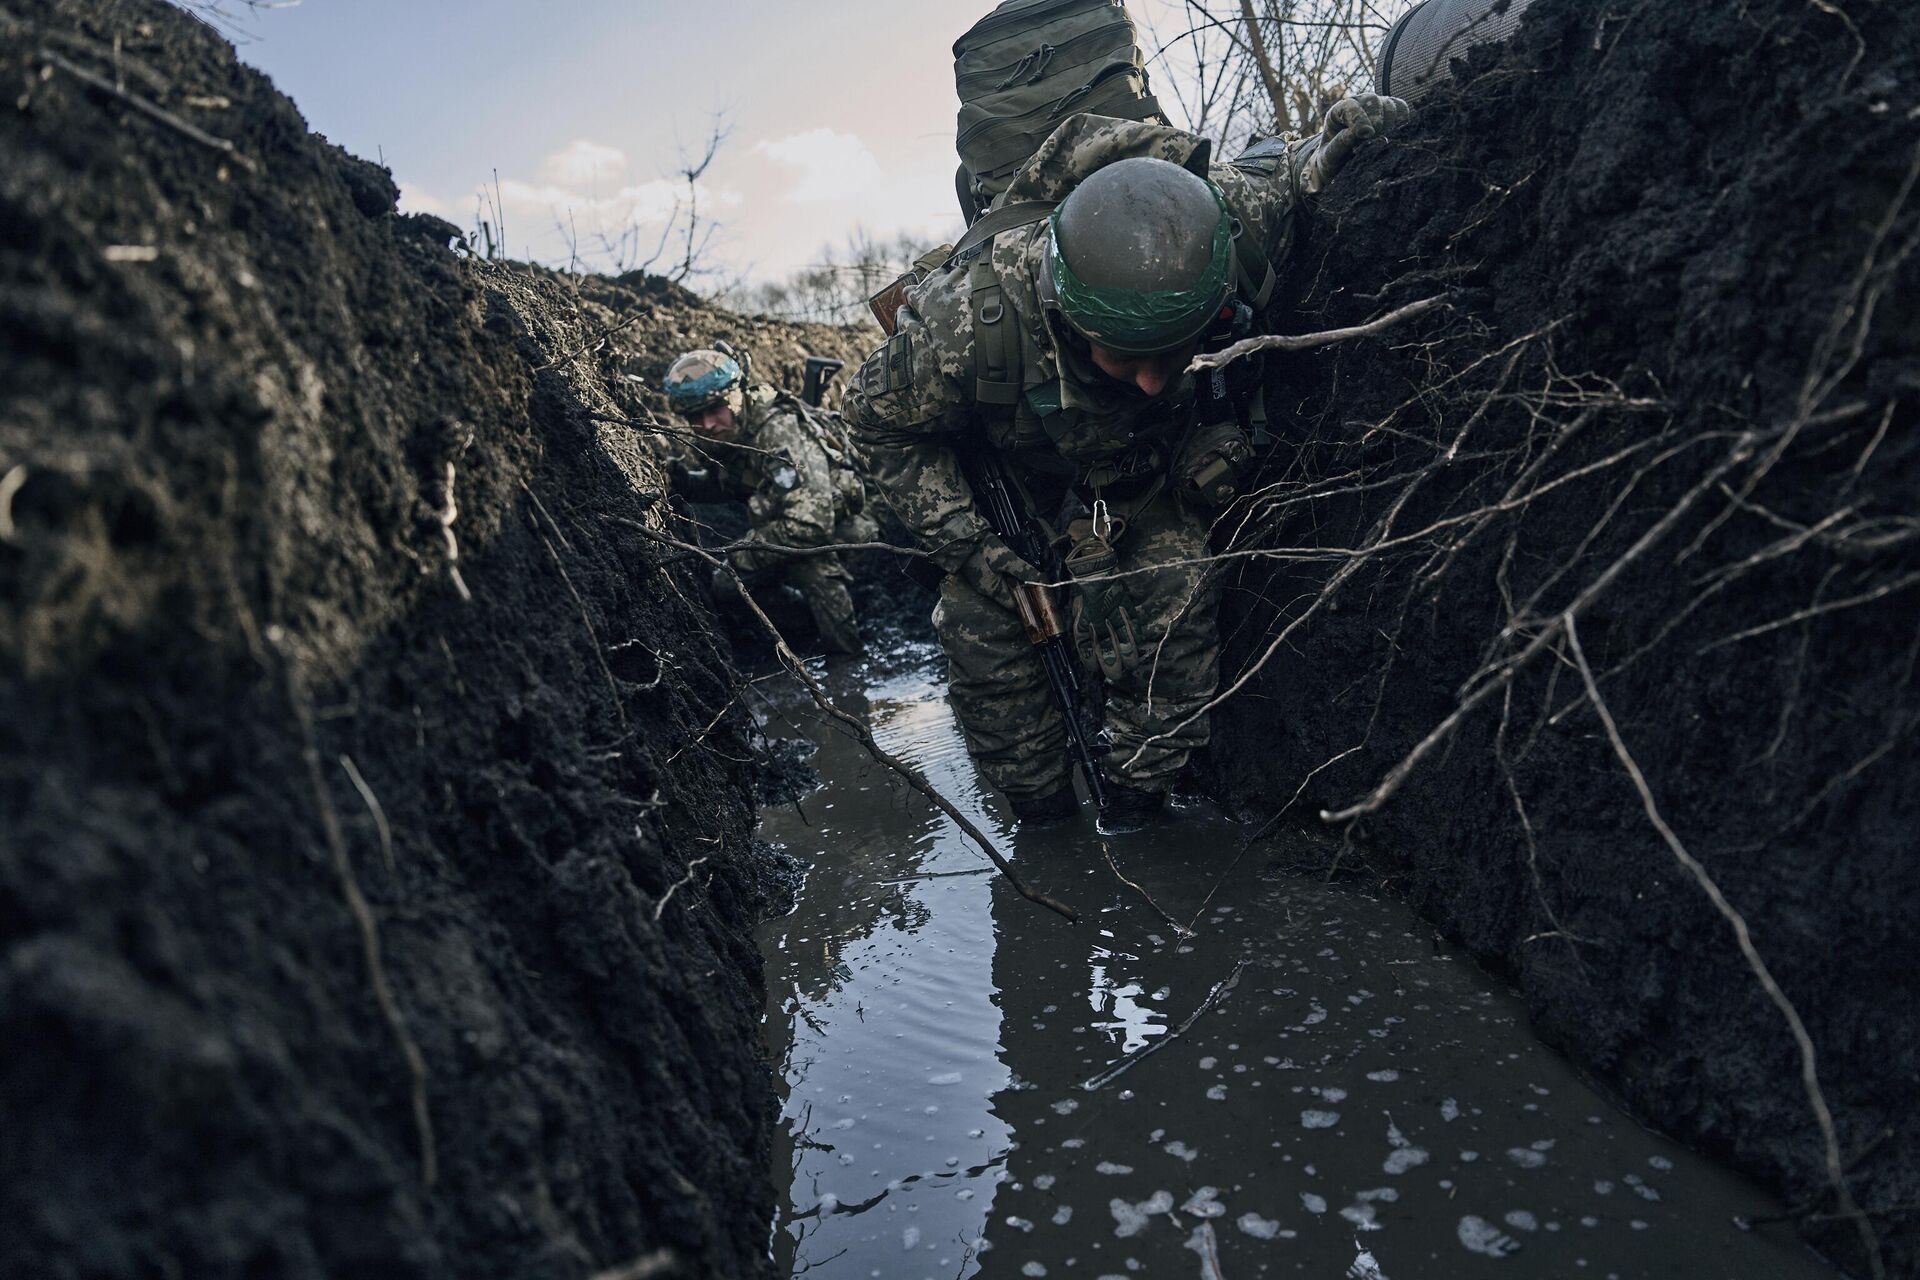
column 418, row 200
column 581, row 180
column 556, row 221
column 828, row 165
column 583, row 165
column 574, row 207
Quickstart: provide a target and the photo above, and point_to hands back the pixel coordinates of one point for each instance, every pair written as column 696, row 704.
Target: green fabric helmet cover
column 1120, row 314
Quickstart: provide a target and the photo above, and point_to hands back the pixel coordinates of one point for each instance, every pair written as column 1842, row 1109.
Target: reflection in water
column 1359, row 1102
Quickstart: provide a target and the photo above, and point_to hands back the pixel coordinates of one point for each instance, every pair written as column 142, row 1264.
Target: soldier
column 799, row 484
column 1062, row 344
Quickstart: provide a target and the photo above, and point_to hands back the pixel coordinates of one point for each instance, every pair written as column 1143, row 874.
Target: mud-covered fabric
column 823, row 581
column 784, row 472
column 1067, row 408
column 801, row 490
column 1067, row 418
column 1013, row 726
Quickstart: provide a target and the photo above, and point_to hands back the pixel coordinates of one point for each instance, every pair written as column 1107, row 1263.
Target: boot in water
column 1130, row 809
column 833, row 617
column 1048, row 810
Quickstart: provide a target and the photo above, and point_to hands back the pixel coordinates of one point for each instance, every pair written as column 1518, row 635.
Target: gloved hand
column 1212, row 463
column 1102, row 625
column 1349, row 122
column 749, row 559
column 993, row 567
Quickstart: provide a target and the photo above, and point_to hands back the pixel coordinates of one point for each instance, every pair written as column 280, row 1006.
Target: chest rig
column 1116, row 462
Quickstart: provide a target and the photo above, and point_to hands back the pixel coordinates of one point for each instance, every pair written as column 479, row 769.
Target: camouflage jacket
column 915, row 395
column 796, row 484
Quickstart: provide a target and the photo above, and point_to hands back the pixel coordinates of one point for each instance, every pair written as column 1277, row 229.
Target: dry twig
column 1500, row 679
column 1304, row 341
column 677, row 885
column 379, row 814
column 593, row 636
column 140, row 104
column 1151, row 1047
column 1160, row 911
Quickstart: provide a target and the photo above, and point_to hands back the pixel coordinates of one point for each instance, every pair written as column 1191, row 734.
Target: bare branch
column 1301, row 342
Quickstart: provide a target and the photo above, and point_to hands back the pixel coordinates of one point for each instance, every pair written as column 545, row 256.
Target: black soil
column 364, row 910
column 1677, row 242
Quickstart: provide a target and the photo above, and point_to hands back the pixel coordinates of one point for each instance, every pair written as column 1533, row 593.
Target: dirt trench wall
column 375, row 874
column 1675, row 391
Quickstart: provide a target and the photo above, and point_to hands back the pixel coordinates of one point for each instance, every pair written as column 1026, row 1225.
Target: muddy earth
column 1675, row 390
column 375, row 864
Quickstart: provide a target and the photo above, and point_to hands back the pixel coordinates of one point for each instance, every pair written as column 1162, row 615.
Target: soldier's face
column 1151, row 375
column 716, row 421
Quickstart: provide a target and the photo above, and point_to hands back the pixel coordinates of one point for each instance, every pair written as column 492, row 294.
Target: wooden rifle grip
column 1039, row 614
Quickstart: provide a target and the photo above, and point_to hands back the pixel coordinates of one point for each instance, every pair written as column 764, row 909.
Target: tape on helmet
column 703, row 379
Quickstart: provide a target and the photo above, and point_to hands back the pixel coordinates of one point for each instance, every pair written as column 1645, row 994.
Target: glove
column 1349, row 122
column 749, row 560
column 1102, row 625
column 1211, row 465
column 993, row 568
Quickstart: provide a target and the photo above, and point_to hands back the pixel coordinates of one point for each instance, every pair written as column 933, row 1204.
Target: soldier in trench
column 802, row 490
column 1062, row 345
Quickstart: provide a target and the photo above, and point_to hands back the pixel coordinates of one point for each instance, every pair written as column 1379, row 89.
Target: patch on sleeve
column 1263, row 157
column 889, row 368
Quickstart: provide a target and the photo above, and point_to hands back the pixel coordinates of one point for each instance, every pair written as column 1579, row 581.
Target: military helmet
column 702, row 379
column 1139, row 258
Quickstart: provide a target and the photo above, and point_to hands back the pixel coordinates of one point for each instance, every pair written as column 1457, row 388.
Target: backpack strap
column 1021, row 213
column 1255, row 274
column 996, row 348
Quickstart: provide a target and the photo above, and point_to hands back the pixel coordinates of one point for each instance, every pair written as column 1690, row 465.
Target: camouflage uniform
column 801, row 490
column 915, row 397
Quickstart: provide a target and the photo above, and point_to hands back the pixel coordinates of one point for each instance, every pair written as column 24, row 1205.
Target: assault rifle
column 820, row 371
column 1039, row 610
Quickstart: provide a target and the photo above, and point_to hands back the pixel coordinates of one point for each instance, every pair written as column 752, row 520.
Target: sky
column 839, row 116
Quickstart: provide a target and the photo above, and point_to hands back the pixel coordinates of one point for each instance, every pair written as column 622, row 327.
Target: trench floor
column 972, row 1086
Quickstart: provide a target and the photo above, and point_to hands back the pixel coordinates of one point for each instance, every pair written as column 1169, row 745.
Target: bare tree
column 696, row 235
column 1259, row 67
column 835, row 289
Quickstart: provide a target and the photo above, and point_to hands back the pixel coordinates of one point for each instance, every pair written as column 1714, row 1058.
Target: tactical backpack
column 1027, row 66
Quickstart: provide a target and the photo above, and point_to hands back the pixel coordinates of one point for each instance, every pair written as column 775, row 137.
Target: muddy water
column 1309, row 1084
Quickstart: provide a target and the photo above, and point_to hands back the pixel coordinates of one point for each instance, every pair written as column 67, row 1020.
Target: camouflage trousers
column 1006, row 708
column 822, row 582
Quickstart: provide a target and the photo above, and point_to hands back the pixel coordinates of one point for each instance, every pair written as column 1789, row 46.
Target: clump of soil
column 1675, row 392
column 376, row 876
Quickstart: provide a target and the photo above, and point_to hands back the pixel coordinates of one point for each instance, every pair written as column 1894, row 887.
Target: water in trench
column 1353, row 1098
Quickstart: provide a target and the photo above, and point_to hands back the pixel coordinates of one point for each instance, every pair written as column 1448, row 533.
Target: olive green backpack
column 1027, row 66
